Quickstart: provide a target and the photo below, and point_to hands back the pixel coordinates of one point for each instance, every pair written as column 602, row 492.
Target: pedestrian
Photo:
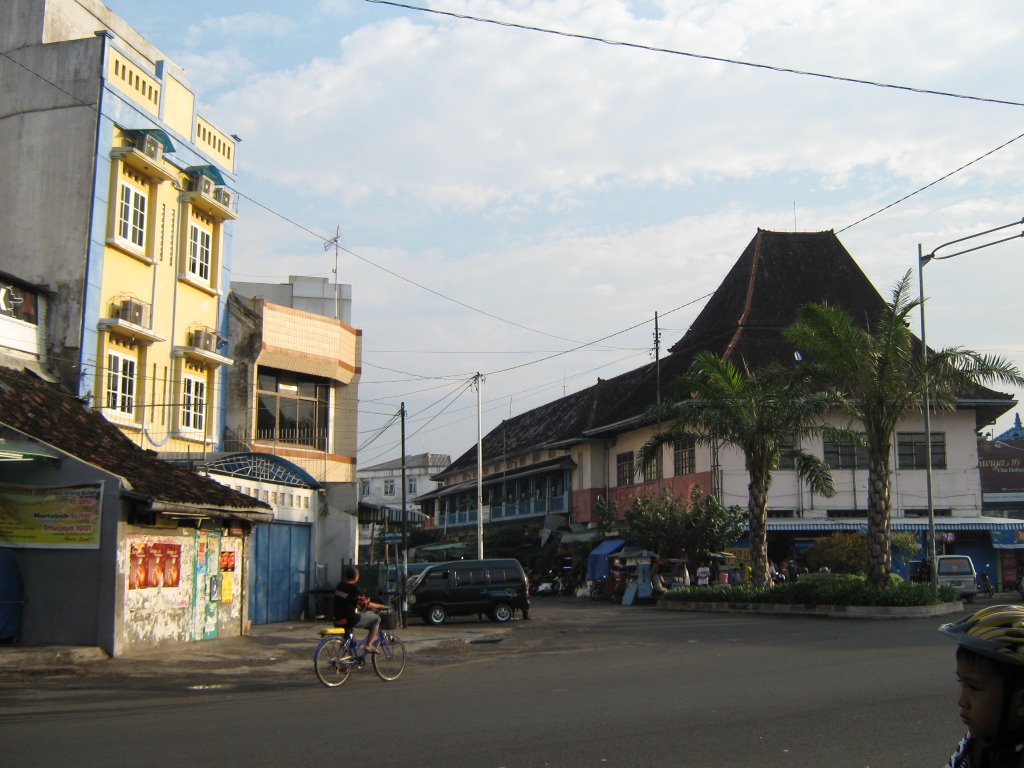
column 990, row 670
column 703, row 574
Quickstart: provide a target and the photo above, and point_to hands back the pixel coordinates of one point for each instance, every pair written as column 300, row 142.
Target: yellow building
column 117, row 198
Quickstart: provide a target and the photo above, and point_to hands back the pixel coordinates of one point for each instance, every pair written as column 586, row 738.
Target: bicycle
column 339, row 652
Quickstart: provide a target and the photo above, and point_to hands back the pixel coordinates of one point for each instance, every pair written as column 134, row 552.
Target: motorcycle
column 986, row 585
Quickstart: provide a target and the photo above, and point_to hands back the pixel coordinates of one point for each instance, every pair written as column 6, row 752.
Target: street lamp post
column 923, row 259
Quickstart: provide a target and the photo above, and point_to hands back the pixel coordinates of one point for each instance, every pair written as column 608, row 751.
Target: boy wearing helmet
column 990, row 670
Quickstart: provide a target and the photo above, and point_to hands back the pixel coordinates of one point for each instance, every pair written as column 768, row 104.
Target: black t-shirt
column 348, row 600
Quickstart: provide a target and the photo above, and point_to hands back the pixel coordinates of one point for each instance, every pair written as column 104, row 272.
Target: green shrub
column 820, row 589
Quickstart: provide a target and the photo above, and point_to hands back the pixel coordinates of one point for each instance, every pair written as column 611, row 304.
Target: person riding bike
column 354, row 610
column 990, row 670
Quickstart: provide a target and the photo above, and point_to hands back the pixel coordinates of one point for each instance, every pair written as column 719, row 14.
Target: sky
column 521, row 204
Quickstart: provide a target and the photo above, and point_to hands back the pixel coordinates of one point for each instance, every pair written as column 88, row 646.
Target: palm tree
column 879, row 376
column 759, row 413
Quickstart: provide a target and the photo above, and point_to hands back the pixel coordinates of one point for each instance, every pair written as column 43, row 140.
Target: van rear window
column 955, row 567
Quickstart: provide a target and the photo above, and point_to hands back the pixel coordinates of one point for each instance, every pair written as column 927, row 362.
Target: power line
column 933, row 183
column 408, row 280
column 704, row 57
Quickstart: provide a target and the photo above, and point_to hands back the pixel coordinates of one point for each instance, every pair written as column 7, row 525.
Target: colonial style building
column 116, row 198
column 561, row 457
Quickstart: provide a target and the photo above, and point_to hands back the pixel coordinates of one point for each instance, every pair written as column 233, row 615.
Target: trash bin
column 723, row 577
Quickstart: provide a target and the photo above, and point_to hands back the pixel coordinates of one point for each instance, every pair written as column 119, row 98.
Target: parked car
column 497, row 588
column 958, row 571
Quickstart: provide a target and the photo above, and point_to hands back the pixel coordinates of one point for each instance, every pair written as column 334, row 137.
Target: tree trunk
column 757, row 511
column 879, row 538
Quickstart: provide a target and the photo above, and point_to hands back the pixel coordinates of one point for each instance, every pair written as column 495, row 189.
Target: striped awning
column 897, row 524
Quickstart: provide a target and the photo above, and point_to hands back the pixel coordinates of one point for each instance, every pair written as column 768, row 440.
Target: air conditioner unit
column 132, row 311
column 223, row 196
column 149, row 146
column 205, row 340
column 202, row 184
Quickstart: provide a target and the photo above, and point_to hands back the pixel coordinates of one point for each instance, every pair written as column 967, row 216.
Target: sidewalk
column 277, row 647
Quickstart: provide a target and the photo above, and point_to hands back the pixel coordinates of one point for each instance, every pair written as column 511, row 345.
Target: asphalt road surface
column 581, row 684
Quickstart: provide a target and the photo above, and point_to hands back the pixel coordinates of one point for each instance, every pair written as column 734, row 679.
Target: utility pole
column 657, row 394
column 404, row 570
column 478, row 379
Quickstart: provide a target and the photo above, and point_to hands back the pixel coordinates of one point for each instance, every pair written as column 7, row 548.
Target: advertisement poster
column 227, row 575
column 154, row 564
column 60, row 517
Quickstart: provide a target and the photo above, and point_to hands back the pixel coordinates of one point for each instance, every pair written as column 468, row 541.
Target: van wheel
column 437, row 615
column 501, row 613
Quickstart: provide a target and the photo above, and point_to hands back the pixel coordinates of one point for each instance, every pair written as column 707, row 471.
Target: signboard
column 55, row 517
column 1002, row 467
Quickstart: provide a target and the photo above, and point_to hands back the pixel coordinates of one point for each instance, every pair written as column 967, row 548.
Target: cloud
column 577, row 188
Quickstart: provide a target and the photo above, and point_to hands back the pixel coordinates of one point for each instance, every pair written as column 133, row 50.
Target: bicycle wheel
column 332, row 661
column 389, row 660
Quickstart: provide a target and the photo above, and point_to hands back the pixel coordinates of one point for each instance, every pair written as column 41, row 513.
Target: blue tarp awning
column 597, row 561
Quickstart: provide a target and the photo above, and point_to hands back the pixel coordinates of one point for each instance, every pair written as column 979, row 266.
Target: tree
column 878, row 377
column 658, row 525
column 709, row 526
column 759, row 413
column 605, row 514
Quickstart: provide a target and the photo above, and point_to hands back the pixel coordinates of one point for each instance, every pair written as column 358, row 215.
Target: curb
column 830, row 611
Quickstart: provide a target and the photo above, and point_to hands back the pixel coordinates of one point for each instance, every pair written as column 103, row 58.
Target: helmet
column 996, row 632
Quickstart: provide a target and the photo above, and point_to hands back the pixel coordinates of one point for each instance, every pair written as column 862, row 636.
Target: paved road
column 581, row 684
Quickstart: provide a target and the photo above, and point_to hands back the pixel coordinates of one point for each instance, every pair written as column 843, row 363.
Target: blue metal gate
column 280, row 572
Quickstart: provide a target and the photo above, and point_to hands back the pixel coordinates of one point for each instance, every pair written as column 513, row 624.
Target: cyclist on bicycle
column 990, row 670
column 354, row 610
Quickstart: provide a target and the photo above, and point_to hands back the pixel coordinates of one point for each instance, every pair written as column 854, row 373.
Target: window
column 845, row 454
column 364, row 487
column 389, row 487
column 120, row 383
column 684, row 455
column 193, row 404
column 624, row 471
column 787, row 454
column 131, row 216
column 410, row 485
column 199, row 250
column 292, row 408
column 652, row 469
column 911, row 446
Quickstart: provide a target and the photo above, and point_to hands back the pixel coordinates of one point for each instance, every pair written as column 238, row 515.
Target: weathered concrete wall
column 158, row 571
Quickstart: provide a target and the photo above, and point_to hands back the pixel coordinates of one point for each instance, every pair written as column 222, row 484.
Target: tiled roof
column 51, row 415
column 743, row 321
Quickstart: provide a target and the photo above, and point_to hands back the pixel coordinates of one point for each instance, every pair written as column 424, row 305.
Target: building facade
column 117, row 199
column 293, row 392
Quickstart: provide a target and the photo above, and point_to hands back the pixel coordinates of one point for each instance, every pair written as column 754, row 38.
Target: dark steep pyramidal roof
column 51, row 415
column 777, row 274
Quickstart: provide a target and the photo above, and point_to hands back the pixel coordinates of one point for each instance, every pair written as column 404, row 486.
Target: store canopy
column 945, row 524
